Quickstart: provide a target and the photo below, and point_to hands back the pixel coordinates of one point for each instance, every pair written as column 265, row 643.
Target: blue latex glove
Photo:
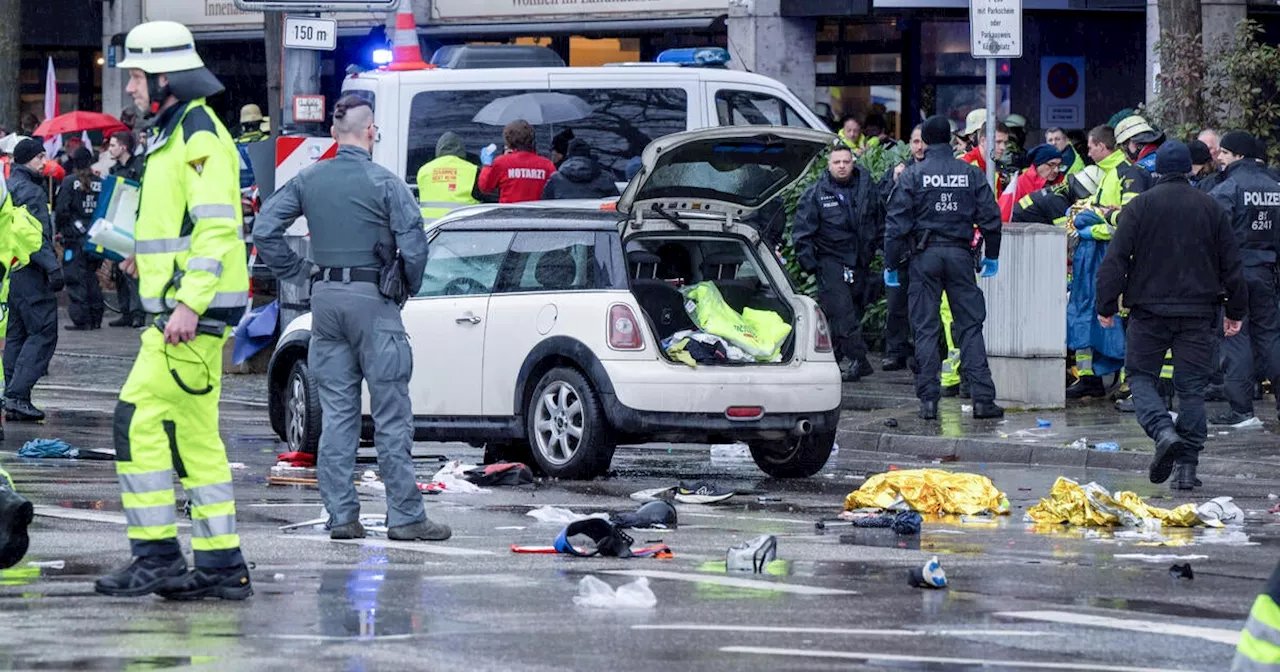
column 891, row 278
column 487, row 154
column 1087, row 219
column 990, row 267
column 1086, row 233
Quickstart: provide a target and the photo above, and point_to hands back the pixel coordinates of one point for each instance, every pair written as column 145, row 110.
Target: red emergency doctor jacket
column 518, row 177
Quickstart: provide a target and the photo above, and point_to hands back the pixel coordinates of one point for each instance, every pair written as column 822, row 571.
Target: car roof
column 530, row 218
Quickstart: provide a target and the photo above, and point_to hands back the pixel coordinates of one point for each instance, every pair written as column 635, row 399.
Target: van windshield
column 617, row 123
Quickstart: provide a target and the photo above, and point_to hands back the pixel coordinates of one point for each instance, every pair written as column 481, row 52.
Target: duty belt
column 347, row 275
column 943, row 241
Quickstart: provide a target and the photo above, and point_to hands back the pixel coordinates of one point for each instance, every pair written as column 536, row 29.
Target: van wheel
column 301, row 410
column 566, row 426
column 795, row 457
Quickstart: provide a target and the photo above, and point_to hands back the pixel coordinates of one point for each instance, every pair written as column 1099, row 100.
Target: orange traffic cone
column 406, row 54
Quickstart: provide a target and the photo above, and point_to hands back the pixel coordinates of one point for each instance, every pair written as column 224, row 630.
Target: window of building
column 749, row 108
column 464, row 263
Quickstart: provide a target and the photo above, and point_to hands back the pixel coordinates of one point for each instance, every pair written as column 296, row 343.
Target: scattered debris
column 277, row 577
column 732, row 452
column 314, row 522
column 48, row 448
column 891, row 422
column 903, row 523
column 558, row 516
column 237, row 466
column 659, row 515
column 48, row 564
column 510, row 527
column 929, row 491
column 1274, row 509
column 1219, row 512
column 967, row 409
column 769, row 499
column 1158, row 558
column 1273, row 496
column 297, row 459
column 979, row 520
column 1081, row 443
column 1182, row 571
column 452, row 478
column 930, row 575
column 702, row 492
column 1107, row 446
column 752, row 556
column 1042, row 423
column 652, row 494
column 500, row 474
column 594, row 593
column 1092, row 505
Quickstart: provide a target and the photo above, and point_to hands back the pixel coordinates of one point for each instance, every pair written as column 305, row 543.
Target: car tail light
column 624, row 329
column 743, row 412
column 821, row 332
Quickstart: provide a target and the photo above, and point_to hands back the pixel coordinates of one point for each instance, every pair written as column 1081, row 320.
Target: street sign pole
column 991, row 126
column 995, row 32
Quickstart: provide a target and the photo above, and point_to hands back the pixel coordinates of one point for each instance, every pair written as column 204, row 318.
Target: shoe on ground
column 224, row 583
column 124, row 321
column 655, row 494
column 1086, row 387
column 79, row 327
column 987, row 410
column 1126, row 405
column 1178, row 476
column 1235, row 420
column 1169, row 448
column 1215, row 392
column 928, row 410
column 144, row 576
column 15, row 515
column 21, row 410
column 702, row 492
column 949, row 391
column 423, row 530
column 352, row 530
column 893, row 364
column 857, row 371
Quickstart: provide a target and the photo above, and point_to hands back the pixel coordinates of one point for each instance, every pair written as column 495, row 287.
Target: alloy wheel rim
column 297, row 429
column 559, row 423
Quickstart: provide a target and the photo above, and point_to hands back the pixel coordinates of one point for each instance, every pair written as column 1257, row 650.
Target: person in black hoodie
column 1173, row 257
column 33, row 308
column 73, row 210
column 580, row 176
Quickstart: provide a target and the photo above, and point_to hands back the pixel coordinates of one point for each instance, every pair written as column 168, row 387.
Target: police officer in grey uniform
column 931, row 217
column 352, row 204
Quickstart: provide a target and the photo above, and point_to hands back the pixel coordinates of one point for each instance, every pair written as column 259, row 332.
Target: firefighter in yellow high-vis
column 190, row 264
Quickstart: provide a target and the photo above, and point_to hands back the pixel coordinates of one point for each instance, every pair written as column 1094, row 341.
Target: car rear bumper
column 635, row 425
column 660, row 386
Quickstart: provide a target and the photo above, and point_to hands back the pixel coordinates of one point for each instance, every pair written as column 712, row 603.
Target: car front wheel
column 567, row 427
column 796, row 457
column 301, row 410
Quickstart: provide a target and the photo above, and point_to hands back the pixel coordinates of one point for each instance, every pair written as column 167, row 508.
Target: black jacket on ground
column 1173, row 255
column 580, row 176
column 1252, row 199
column 844, row 221
column 27, row 189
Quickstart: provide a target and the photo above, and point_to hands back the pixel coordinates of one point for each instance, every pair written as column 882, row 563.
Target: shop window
column 622, row 123
column 748, row 108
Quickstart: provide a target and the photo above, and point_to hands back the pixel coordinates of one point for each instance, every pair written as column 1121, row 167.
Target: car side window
column 464, row 263
column 549, row 261
column 751, row 108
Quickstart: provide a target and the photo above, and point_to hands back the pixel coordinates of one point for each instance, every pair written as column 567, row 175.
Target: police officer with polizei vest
column 73, row 211
column 190, row 264
column 367, row 238
column 931, row 218
column 837, row 230
column 1252, row 199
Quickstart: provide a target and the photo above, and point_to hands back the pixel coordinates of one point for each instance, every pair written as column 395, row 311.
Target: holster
column 392, row 282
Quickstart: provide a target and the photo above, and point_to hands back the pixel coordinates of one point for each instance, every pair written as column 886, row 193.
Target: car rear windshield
column 621, row 123
column 746, row 172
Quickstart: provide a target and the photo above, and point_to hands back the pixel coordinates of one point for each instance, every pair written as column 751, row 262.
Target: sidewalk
column 1018, row 439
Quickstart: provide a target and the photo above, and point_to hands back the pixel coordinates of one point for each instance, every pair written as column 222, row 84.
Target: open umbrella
column 535, row 108
column 79, row 121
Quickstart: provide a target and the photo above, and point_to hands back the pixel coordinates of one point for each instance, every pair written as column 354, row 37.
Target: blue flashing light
column 382, row 56
column 695, row 56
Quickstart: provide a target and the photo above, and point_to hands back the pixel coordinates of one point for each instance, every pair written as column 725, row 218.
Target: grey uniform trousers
column 934, row 270
column 356, row 334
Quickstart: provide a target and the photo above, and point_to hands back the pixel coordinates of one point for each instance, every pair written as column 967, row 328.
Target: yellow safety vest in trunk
column 445, row 184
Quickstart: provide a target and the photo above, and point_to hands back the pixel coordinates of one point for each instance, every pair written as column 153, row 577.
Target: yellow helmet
column 1130, row 128
column 1089, row 178
column 250, row 113
column 974, row 121
column 160, row 47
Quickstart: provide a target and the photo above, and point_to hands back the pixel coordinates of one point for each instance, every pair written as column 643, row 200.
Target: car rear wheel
column 567, row 428
column 301, row 410
column 796, row 457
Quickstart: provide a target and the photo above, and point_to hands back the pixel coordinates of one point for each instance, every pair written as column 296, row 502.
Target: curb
column 1004, row 452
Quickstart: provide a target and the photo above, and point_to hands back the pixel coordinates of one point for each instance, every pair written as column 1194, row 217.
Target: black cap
column 27, row 149
column 1199, row 153
column 935, row 130
column 81, row 158
column 1173, row 158
column 1240, row 143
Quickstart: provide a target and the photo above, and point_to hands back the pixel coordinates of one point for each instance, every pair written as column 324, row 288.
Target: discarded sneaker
column 701, row 492
column 423, row 530
column 1235, row 420
column 928, row 576
column 1169, row 448
column 752, row 556
column 143, row 576
column 352, row 530
column 15, row 515
column 224, row 583
column 653, row 514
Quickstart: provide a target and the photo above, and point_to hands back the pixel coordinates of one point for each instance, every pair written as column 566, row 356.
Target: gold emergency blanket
column 1093, row 506
column 929, row 491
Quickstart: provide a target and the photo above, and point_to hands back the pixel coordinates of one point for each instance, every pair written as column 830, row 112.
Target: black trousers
column 84, row 294
column 127, row 298
column 1256, row 349
column 32, row 333
column 935, row 270
column 842, row 303
column 1147, row 337
column 897, row 322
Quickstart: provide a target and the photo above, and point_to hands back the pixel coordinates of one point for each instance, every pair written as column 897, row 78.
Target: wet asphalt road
column 1021, row 597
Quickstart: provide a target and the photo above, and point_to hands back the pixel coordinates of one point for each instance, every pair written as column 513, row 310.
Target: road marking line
column 399, row 545
column 894, row 657
column 730, row 581
column 334, row 638
column 109, row 517
column 701, row 627
column 1221, row 636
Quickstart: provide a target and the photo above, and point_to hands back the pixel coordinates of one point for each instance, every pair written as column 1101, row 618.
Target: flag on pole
column 84, row 139
column 53, row 144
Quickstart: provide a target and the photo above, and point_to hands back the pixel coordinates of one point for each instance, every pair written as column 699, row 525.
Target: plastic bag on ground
column 1092, row 505
column 559, row 516
column 593, row 592
column 929, row 491
column 453, row 478
column 1220, row 512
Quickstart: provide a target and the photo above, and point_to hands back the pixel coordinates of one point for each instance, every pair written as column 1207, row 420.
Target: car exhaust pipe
column 802, row 428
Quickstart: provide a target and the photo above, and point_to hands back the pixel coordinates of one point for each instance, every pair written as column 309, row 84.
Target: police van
column 617, row 109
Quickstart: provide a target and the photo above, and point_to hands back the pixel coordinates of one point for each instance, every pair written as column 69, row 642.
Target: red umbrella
column 78, row 121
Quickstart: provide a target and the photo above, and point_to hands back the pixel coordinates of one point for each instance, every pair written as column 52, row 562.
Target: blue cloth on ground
column 48, row 448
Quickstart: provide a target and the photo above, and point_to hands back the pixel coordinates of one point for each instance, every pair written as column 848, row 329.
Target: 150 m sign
column 305, row 33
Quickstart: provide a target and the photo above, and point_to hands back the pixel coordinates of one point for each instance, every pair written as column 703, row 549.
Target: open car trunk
column 708, row 301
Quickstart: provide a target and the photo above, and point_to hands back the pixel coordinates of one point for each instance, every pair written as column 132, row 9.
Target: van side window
column 616, row 123
column 464, row 263
column 750, row 108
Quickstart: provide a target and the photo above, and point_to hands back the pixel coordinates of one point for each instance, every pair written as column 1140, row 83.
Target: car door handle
column 468, row 319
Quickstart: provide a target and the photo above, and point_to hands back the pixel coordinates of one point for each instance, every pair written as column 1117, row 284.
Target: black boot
column 1186, row 479
column 893, row 364
column 857, row 371
column 1126, row 405
column 984, row 410
column 928, row 410
column 965, row 392
column 352, row 530
column 122, row 321
column 21, row 410
column 1087, row 386
column 15, row 515
column 146, row 575
column 951, row 391
column 1169, row 448
column 79, row 327
column 424, row 530
column 225, row 583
